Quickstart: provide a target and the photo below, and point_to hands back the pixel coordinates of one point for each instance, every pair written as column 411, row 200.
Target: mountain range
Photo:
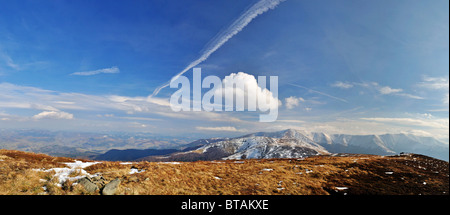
column 292, row 143
column 83, row 144
column 288, row 143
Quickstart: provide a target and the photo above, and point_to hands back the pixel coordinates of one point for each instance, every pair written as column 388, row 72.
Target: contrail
column 257, row 9
column 321, row 93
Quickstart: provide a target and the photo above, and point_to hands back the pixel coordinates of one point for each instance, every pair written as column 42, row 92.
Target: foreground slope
column 351, row 174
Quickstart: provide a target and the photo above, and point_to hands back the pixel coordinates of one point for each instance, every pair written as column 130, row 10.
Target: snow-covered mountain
column 260, row 146
column 292, row 143
column 386, row 144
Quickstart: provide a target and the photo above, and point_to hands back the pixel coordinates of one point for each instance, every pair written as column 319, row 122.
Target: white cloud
column 388, row 90
column 137, row 125
column 438, row 127
column 435, row 83
column 290, row 121
column 4, row 116
column 134, row 118
column 225, row 128
column 111, row 70
column 26, row 105
column 199, row 116
column 340, row 84
column 9, row 61
column 243, row 81
column 418, row 133
column 409, row 96
column 426, row 122
column 22, row 97
column 293, row 101
column 431, row 127
column 53, row 115
column 384, row 90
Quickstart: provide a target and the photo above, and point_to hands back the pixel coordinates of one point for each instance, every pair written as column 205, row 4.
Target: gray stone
column 88, row 185
column 111, row 187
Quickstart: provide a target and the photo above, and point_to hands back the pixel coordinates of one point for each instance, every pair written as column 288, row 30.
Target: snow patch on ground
column 134, row 170
column 169, row 163
column 75, row 168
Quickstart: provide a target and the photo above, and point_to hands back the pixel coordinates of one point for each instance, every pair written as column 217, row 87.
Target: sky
column 343, row 66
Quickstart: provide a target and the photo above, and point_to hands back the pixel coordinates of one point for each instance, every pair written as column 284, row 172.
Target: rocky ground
column 338, row 174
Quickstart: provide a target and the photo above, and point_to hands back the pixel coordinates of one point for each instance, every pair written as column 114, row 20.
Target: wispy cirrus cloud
column 434, row 83
column 387, row 90
column 220, row 39
column 9, row 61
column 111, row 70
column 445, row 100
column 440, row 84
column 321, row 93
column 382, row 90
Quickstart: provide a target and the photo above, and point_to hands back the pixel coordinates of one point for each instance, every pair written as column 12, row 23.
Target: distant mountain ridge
column 385, row 144
column 292, row 143
column 288, row 143
column 83, row 144
column 132, row 154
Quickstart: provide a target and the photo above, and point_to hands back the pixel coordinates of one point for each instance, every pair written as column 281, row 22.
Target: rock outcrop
column 99, row 184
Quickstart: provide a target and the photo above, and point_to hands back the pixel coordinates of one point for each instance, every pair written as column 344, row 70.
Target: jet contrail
column 257, row 9
column 321, row 93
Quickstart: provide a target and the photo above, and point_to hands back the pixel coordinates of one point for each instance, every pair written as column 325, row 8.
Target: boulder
column 111, row 187
column 88, row 185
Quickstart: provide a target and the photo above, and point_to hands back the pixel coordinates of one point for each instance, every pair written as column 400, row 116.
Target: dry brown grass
column 361, row 174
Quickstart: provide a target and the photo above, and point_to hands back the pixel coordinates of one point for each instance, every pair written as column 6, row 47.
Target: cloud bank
column 53, row 115
column 225, row 128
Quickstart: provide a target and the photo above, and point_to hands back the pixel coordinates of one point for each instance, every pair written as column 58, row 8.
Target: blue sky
column 358, row 67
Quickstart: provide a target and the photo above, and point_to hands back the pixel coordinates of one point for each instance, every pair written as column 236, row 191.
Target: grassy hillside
column 34, row 174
